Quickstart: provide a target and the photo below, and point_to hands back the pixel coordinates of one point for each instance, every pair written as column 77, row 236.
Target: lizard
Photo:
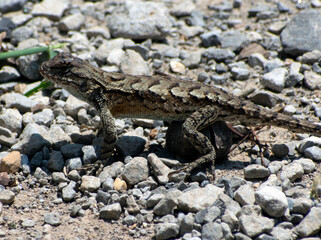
column 118, row 95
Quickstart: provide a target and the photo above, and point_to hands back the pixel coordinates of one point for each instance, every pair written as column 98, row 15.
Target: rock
column 7, row 196
column 49, row 9
column 130, row 144
column 111, row 171
column 212, row 230
column 301, row 205
column 211, row 38
column 72, row 150
column 89, row 183
column 89, row 154
column 199, row 198
column 102, row 197
column 299, row 35
column 177, row 67
column 218, row 54
column 313, row 153
column 256, row 171
column 120, row 185
column 312, row 80
column 307, row 164
column 275, row 80
column 294, row 75
column 11, row 163
column 73, row 105
column 280, row 150
column 7, row 138
column 4, row 179
column 239, row 73
column 136, row 171
column 167, row 204
column 166, row 230
column 19, row 101
column 132, row 206
column 244, row 195
column 133, row 64
column 110, row 212
column 59, row 177
column 73, row 163
column 28, row 223
column 71, row 22
column 207, row 215
column 68, row 192
column 266, row 99
column 187, row 224
column 251, row 221
column 52, row 218
column 232, row 39
column 159, row 169
column 292, row 171
column 56, row 161
column 12, row 120
column 11, row 5
column 311, row 224
column 282, row 233
column 311, row 57
column 74, row 175
column 129, row 220
column 154, row 199
column 272, row 201
column 140, row 20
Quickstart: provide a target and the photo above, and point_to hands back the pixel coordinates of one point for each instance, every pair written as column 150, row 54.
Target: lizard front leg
column 109, row 140
column 192, row 126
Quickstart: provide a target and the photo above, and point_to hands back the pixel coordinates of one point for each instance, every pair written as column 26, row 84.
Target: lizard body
column 118, row 95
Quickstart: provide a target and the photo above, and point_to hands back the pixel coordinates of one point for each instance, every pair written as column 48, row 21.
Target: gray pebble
column 256, row 171
column 110, row 212
column 52, row 218
column 166, row 230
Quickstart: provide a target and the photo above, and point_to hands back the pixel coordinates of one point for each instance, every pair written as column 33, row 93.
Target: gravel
column 265, row 51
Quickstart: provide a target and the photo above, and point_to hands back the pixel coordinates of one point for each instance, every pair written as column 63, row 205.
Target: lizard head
column 71, row 73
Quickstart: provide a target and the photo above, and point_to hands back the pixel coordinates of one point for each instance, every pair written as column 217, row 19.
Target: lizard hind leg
column 192, row 126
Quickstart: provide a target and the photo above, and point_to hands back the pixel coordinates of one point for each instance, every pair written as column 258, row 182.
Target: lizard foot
column 92, row 169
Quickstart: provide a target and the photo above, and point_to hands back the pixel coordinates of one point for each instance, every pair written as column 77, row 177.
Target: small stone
column 49, row 9
column 275, row 79
column 292, row 171
column 301, row 205
column 73, row 163
column 199, row 198
column 120, row 185
column 131, row 59
column 307, row 164
column 272, row 201
column 212, row 230
column 167, row 204
column 4, row 178
column 74, row 175
column 8, row 73
column 239, row 73
column 207, row 215
column 244, row 195
column 313, row 153
column 71, row 23
column 159, row 169
column 7, row 196
column 68, row 192
column 280, row 150
column 129, row 220
column 256, row 171
column 110, row 212
column 89, row 183
column 103, row 197
column 252, row 223
column 166, row 230
column 52, row 218
column 11, row 163
column 177, row 67
column 58, row 177
column 28, row 223
column 56, row 161
column 312, row 80
column 311, row 224
column 136, row 171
